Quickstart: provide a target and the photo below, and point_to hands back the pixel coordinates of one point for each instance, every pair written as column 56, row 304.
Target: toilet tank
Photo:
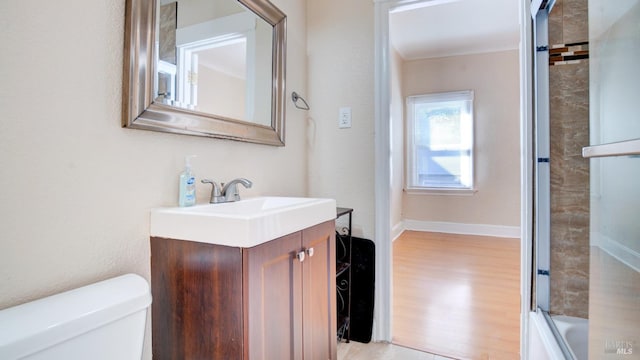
column 103, row 321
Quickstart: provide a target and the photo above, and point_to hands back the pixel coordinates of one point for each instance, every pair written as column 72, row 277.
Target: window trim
column 467, row 95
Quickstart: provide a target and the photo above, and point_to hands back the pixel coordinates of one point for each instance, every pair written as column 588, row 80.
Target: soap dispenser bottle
column 187, row 195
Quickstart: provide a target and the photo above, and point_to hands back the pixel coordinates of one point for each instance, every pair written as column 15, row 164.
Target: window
column 440, row 141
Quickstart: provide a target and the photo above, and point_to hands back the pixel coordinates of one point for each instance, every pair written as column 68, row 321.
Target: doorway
column 385, row 223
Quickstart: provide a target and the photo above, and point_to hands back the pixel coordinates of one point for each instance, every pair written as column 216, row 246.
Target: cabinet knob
column 309, row 252
column 300, row 256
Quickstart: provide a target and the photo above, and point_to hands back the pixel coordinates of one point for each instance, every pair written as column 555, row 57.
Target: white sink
column 243, row 223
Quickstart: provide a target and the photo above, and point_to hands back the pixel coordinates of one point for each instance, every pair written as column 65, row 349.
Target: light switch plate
column 344, row 119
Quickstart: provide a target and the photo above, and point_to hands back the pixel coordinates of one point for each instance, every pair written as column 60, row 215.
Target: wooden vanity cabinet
column 272, row 301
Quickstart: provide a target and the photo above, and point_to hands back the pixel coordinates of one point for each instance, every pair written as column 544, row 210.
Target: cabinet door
column 319, row 292
column 274, row 305
column 197, row 300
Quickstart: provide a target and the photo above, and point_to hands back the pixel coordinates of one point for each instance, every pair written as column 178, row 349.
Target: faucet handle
column 216, row 195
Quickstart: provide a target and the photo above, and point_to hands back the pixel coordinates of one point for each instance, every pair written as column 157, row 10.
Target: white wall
column 76, row 188
column 494, row 77
column 221, row 94
column 340, row 61
column 397, row 141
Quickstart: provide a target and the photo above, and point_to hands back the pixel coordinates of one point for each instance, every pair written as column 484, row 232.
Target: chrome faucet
column 229, row 191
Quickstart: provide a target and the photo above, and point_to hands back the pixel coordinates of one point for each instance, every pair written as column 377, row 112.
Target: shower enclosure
column 562, row 174
column 587, row 237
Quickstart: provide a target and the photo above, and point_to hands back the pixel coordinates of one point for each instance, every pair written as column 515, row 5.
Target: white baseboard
column 397, row 230
column 620, row 252
column 459, row 228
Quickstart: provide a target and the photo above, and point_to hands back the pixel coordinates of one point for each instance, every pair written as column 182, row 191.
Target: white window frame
column 411, row 186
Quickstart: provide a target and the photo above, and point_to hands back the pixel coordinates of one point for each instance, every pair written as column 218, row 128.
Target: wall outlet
column 344, row 119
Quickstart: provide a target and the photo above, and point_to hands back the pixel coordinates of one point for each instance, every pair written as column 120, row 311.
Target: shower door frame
column 542, row 180
column 541, row 270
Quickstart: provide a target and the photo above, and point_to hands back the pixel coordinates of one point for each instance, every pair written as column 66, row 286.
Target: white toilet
column 105, row 320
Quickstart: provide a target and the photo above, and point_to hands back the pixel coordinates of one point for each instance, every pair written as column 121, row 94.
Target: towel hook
column 295, row 97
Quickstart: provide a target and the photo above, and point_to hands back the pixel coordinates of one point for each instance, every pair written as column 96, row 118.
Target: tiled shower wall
column 569, row 118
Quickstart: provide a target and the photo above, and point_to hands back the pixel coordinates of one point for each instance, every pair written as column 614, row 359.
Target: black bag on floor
column 362, row 289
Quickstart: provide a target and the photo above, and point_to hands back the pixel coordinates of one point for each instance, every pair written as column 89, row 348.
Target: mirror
column 212, row 68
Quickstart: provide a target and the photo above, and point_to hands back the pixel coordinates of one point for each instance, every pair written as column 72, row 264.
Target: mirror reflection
column 214, row 57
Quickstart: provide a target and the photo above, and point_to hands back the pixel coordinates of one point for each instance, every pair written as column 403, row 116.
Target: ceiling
column 439, row 28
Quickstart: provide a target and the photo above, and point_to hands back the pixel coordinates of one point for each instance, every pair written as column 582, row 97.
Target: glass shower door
column 614, row 286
